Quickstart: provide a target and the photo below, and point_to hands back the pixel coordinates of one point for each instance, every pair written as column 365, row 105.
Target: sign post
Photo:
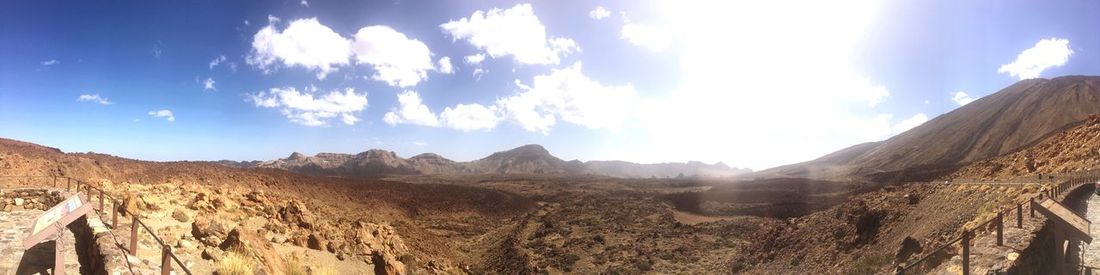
column 52, row 223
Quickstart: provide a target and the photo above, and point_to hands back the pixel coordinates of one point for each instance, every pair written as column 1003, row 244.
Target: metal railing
column 1052, row 191
column 71, row 184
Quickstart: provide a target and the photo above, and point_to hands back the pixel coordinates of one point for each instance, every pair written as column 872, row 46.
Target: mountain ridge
column 526, row 159
column 1008, row 120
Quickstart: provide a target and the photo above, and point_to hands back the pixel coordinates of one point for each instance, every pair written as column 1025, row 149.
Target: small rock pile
column 40, row 199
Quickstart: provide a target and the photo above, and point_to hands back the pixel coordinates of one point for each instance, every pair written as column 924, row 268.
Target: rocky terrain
column 496, row 223
column 527, row 159
column 1075, row 149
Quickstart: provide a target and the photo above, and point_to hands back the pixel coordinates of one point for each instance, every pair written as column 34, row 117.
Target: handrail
column 166, row 249
column 1054, row 190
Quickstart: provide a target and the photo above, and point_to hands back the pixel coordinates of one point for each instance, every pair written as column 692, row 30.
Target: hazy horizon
column 752, row 85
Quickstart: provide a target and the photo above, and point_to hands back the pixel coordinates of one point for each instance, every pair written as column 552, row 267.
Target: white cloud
column 474, row 59
column 397, row 59
column 478, row 72
column 656, row 38
column 165, row 114
column 217, row 60
column 1046, row 53
column 599, row 13
column 95, row 98
column 962, row 98
column 208, row 84
column 305, row 43
column 157, row 51
column 307, row 109
column 910, row 123
column 470, row 117
column 571, row 96
column 445, row 66
column 50, row 62
column 515, row 31
column 411, row 111
column 304, row 3
column 420, row 143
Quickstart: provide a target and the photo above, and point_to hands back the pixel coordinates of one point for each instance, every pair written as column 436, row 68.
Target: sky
column 751, row 84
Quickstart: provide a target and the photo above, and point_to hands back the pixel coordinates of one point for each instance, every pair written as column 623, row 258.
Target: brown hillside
column 1001, row 123
column 1073, row 150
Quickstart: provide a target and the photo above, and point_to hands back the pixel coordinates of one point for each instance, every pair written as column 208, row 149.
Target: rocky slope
column 527, row 159
column 1001, row 123
column 1072, row 150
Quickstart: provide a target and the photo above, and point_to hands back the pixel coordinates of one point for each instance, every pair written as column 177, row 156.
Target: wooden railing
column 1053, row 191
column 90, row 191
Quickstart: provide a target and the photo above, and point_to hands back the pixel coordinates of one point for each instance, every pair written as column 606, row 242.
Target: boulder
column 19, row 201
column 181, row 216
column 385, row 263
column 909, row 247
column 224, row 204
column 250, row 242
column 317, row 242
column 129, row 204
column 212, row 254
column 295, row 213
column 208, row 231
column 912, row 198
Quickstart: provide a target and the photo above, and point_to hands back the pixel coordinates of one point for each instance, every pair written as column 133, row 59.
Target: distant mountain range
column 527, row 159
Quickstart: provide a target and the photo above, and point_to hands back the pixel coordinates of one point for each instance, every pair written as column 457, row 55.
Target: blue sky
column 749, row 84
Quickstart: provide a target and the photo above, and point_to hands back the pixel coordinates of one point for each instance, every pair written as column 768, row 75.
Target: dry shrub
column 327, row 270
column 235, row 263
column 294, row 266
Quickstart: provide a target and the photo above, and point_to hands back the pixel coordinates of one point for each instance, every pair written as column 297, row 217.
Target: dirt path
column 693, row 219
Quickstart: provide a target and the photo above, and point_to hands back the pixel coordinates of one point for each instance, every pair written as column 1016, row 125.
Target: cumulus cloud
column 962, row 98
column 397, row 59
column 656, row 38
column 599, row 13
column 515, row 32
column 165, row 114
column 94, row 98
column 304, row 43
column 208, row 84
column 445, row 66
column 304, row 3
column 310, row 108
column 1046, row 53
column 910, row 123
column 474, row 59
column 571, row 96
column 217, row 60
column 50, row 62
column 470, row 117
column 411, row 111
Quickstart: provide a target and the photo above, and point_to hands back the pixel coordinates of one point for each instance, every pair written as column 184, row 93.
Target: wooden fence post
column 1019, row 215
column 114, row 217
column 966, row 252
column 68, row 183
column 133, row 234
column 166, row 260
column 1000, row 229
column 101, row 201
